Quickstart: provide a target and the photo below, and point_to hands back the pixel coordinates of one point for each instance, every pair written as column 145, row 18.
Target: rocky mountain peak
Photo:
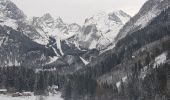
column 123, row 13
column 59, row 20
column 115, row 16
column 47, row 16
column 10, row 10
column 101, row 29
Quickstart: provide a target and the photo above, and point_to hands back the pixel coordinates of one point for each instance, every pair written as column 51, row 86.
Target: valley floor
column 55, row 97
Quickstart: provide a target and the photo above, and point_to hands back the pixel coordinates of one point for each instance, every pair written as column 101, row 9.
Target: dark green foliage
column 21, row 78
column 18, row 77
column 79, row 86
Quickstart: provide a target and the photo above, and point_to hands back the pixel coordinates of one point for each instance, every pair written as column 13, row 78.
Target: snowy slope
column 8, row 22
column 160, row 59
column 150, row 10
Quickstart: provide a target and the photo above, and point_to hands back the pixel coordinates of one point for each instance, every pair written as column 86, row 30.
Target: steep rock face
column 10, row 10
column 10, row 14
column 47, row 27
column 150, row 10
column 100, row 30
column 53, row 33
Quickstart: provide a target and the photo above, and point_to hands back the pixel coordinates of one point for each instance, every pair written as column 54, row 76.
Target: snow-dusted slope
column 100, row 30
column 150, row 10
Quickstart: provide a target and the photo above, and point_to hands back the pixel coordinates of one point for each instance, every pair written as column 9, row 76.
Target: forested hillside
column 137, row 68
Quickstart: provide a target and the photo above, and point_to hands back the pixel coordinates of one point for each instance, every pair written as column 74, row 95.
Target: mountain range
column 60, row 38
column 112, row 56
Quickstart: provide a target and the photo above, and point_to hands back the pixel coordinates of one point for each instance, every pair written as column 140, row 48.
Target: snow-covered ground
column 55, row 97
column 84, row 61
column 160, row 59
column 53, row 59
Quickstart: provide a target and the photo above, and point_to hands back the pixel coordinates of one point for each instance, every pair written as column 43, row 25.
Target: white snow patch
column 3, row 90
column 53, row 59
column 42, row 70
column 118, row 84
column 1, row 41
column 143, row 76
column 41, row 41
column 144, row 72
column 10, row 63
column 16, row 63
column 59, row 46
column 133, row 56
column 93, row 44
column 77, row 45
column 160, row 59
column 55, row 51
column 37, row 70
column 84, row 61
column 10, row 23
column 124, row 79
column 54, row 87
column 52, row 97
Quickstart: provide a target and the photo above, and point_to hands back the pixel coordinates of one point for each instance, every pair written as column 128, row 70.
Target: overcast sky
column 76, row 10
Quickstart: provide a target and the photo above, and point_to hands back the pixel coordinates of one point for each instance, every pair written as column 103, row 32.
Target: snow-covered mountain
column 150, row 10
column 56, row 36
column 99, row 31
column 39, row 41
column 51, row 32
column 47, row 27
